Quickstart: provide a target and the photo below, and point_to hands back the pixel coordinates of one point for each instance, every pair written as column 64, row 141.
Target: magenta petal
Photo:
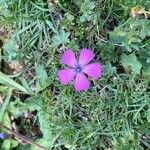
column 81, row 82
column 93, row 70
column 68, row 58
column 86, row 55
column 66, row 75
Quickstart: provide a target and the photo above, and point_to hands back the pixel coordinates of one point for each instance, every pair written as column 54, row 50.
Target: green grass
column 114, row 113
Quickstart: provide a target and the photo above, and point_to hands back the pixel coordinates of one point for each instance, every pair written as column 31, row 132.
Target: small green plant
column 87, row 11
column 132, row 37
column 37, row 112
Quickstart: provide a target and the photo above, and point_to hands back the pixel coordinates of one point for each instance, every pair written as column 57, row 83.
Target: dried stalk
column 23, row 138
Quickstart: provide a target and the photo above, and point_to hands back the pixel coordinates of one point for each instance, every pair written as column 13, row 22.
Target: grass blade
column 4, row 79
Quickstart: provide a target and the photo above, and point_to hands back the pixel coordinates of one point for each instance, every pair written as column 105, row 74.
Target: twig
column 23, row 138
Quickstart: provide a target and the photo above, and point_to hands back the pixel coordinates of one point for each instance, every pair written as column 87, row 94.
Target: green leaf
column 4, row 79
column 10, row 46
column 148, row 60
column 11, row 50
column 34, row 103
column 25, row 84
column 147, row 30
column 109, row 69
column 146, row 69
column 126, row 147
column 107, row 51
column 48, row 139
column 61, row 38
column 6, row 145
column 42, row 78
column 138, row 147
column 135, row 46
column 17, row 108
column 6, row 120
column 142, row 33
column 148, row 114
column 51, row 26
column 41, row 74
column 118, row 35
column 131, row 62
column 145, row 60
column 44, row 122
column 14, row 143
column 42, row 142
column 9, row 144
column 5, row 105
column 73, row 45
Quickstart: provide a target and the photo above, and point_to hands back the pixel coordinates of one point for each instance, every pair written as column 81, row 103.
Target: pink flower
column 79, row 70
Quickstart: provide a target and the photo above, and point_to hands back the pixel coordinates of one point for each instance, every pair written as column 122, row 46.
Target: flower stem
column 23, row 137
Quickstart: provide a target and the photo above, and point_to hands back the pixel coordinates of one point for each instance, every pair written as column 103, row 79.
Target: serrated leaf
column 131, row 62
column 118, row 35
column 142, row 33
column 109, row 69
column 61, row 38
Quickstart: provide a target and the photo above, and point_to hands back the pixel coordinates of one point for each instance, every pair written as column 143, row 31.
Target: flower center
column 78, row 69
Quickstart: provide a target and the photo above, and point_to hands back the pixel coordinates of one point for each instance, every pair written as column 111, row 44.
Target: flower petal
column 93, row 70
column 4, row 135
column 86, row 55
column 69, row 58
column 66, row 75
column 81, row 82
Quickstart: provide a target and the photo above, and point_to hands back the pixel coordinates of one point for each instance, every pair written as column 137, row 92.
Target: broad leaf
column 10, row 49
column 131, row 62
column 6, row 145
column 61, row 38
column 41, row 74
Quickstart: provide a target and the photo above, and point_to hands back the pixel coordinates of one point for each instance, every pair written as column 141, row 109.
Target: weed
column 38, row 111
